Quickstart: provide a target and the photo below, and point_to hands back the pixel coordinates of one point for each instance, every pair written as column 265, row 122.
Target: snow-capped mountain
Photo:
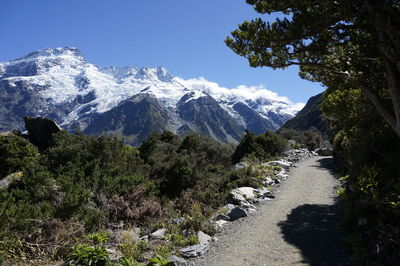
column 131, row 102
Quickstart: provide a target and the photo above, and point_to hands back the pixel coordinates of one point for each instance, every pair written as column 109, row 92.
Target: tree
column 15, row 154
column 262, row 147
column 339, row 43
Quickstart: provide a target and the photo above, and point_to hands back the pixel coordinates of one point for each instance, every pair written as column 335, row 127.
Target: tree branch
column 376, row 101
column 394, row 88
column 330, row 69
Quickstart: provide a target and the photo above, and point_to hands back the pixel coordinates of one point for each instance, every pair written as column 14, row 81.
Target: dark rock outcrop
column 40, row 130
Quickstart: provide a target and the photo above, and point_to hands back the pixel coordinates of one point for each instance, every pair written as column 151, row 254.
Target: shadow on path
column 313, row 229
column 326, row 163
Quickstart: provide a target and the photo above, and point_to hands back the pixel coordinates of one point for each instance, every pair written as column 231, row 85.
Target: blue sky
column 187, row 37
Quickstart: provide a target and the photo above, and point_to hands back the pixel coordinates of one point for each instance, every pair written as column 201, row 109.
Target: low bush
column 262, row 147
column 81, row 185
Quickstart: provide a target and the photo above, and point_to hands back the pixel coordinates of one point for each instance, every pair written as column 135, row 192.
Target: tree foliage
column 262, row 147
column 15, row 153
column 368, row 152
column 339, row 43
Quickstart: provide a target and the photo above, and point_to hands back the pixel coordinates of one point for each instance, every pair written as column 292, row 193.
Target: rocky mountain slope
column 131, row 102
column 310, row 116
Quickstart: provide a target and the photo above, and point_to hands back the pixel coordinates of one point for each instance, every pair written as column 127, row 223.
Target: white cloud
column 241, row 93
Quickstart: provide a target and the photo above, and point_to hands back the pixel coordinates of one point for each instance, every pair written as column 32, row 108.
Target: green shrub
column 15, row 154
column 98, row 238
column 159, row 260
column 129, row 262
column 262, row 147
column 84, row 254
column 134, row 250
column 367, row 151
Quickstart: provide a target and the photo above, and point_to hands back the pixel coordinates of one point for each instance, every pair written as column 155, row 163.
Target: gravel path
column 299, row 227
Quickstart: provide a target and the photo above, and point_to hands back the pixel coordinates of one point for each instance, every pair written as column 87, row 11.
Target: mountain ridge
column 61, row 85
column 310, row 116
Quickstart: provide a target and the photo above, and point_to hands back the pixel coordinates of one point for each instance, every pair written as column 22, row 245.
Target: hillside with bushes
column 310, row 116
column 71, row 200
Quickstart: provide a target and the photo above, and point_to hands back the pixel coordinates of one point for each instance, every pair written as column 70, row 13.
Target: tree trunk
column 387, row 114
column 393, row 80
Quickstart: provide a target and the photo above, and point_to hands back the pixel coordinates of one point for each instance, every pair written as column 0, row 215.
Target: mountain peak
column 163, row 74
column 58, row 83
column 53, row 52
column 142, row 73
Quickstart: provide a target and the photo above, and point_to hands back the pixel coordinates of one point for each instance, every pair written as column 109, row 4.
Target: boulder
column 284, row 164
column 241, row 165
column 194, row 251
column 159, row 234
column 179, row 220
column 243, row 194
column 236, row 197
column 229, row 207
column 221, row 216
column 177, row 261
column 248, row 207
column 237, row 213
column 144, row 238
column 282, row 175
column 220, row 223
column 265, row 193
column 6, row 181
column 295, row 155
column 40, row 130
column 269, row 181
column 203, row 237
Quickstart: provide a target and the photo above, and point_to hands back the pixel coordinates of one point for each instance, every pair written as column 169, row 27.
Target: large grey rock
column 194, row 251
column 295, row 155
column 245, row 192
column 282, row 175
column 199, row 249
column 269, row 181
column 237, row 213
column 229, row 207
column 248, row 206
column 243, row 195
column 203, row 237
column 284, row 164
column 6, row 181
column 236, row 197
column 179, row 220
column 220, row 223
column 265, row 193
column 177, row 261
column 241, row 165
column 221, row 216
column 159, row 234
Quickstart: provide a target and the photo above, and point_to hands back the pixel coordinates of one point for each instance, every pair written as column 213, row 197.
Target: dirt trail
column 299, row 227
